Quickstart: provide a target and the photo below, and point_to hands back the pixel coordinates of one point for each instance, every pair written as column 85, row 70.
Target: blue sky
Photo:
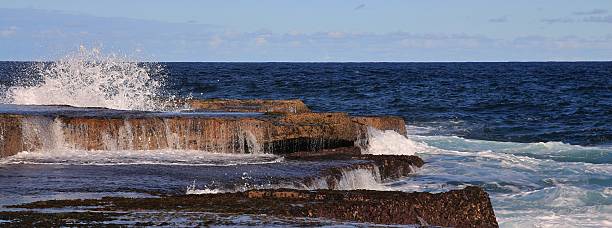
column 266, row 30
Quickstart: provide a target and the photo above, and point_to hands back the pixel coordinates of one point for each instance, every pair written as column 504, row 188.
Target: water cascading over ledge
column 282, row 131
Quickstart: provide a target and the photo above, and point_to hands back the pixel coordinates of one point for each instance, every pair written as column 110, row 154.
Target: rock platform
column 283, row 127
column 224, row 126
column 469, row 207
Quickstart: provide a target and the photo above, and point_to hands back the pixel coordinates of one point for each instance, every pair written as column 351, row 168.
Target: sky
column 311, row 31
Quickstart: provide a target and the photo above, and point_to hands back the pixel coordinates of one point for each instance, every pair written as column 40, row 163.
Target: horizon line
column 479, row 61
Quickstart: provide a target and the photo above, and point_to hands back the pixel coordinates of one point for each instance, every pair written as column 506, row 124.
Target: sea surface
column 536, row 135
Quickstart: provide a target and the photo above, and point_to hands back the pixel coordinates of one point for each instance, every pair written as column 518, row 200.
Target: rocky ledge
column 469, row 207
column 277, row 127
column 287, row 128
column 249, row 105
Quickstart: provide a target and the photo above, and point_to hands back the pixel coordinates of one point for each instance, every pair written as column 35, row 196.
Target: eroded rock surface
column 286, row 127
column 279, row 132
column 251, row 105
column 469, row 207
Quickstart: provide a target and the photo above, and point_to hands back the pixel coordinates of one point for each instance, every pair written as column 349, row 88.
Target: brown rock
column 10, row 135
column 383, row 122
column 253, row 105
column 469, row 207
column 271, row 133
column 382, row 167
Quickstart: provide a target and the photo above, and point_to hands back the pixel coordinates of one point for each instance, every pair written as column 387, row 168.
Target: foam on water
column 137, row 157
column 379, row 142
column 548, row 184
column 557, row 151
column 90, row 79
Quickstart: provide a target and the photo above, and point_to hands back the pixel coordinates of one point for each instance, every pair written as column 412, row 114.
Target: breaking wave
column 390, row 142
column 89, row 78
column 545, row 184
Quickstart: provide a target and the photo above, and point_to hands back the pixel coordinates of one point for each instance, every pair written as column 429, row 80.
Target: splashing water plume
column 90, row 79
column 389, row 142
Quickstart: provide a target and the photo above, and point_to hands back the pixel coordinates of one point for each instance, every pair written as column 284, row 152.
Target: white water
column 137, row 157
column 350, row 180
column 548, row 184
column 40, row 133
column 530, row 184
column 391, row 143
column 90, row 79
column 379, row 142
column 45, row 142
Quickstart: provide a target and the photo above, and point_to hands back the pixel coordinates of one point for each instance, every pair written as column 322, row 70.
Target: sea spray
column 89, row 78
column 390, row 142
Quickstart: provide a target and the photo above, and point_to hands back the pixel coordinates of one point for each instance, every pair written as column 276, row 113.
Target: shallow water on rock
column 31, row 177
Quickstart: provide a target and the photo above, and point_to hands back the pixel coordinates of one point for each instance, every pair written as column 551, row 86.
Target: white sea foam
column 90, row 79
column 351, row 180
column 391, row 142
column 541, row 150
column 193, row 190
column 549, row 184
column 137, row 157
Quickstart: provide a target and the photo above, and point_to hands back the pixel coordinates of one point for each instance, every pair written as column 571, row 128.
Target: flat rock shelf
column 284, row 128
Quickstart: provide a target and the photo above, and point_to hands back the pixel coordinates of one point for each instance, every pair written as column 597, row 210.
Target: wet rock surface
column 384, row 167
column 469, row 207
column 253, row 105
column 285, row 127
column 277, row 132
column 10, row 135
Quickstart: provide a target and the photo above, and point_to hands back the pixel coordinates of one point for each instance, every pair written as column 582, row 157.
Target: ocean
column 537, row 136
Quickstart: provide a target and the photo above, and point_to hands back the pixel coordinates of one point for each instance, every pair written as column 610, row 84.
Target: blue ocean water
column 518, row 102
column 536, row 136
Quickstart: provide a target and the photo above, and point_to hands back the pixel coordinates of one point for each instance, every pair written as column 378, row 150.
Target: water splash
column 350, row 179
column 89, row 78
column 391, row 143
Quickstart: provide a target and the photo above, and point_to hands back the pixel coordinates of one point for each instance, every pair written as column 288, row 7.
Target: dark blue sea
column 536, row 135
column 518, row 102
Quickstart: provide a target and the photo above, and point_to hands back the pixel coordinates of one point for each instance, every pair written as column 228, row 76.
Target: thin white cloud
column 56, row 32
column 599, row 19
column 335, row 34
column 261, row 41
column 592, row 16
column 591, row 12
column 558, row 20
column 215, row 41
column 10, row 31
column 501, row 19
